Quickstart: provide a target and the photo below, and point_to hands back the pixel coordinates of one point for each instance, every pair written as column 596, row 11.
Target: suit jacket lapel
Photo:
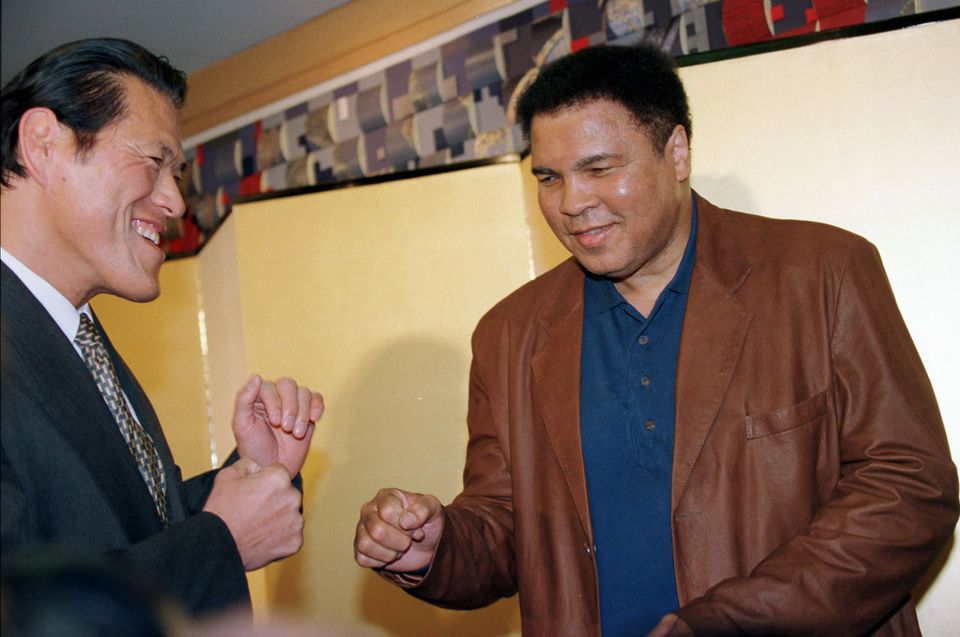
column 556, row 382
column 71, row 398
column 714, row 327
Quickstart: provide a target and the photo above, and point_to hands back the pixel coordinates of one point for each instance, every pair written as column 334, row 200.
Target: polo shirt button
column 644, row 339
column 644, row 380
column 649, row 424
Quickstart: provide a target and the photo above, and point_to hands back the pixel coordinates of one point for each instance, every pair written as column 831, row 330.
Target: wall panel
column 371, row 294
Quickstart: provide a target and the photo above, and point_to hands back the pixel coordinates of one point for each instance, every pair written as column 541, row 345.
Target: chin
column 604, row 269
column 145, row 297
column 140, row 293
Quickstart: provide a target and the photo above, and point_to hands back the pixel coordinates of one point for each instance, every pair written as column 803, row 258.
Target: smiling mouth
column 591, row 237
column 147, row 231
column 591, row 231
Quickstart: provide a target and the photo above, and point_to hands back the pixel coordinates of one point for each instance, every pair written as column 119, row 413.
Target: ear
column 678, row 153
column 40, row 137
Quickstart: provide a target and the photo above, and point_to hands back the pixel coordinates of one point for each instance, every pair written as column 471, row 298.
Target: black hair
column 82, row 83
column 642, row 78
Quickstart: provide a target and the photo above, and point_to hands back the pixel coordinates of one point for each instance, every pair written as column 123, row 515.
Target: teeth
column 147, row 232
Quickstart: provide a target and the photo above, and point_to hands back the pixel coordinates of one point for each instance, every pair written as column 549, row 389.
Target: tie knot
column 87, row 334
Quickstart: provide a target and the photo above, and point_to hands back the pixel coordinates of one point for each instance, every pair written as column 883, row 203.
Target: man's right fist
column 261, row 508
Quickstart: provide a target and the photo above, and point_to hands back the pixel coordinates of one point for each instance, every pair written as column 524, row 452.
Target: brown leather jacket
column 812, row 483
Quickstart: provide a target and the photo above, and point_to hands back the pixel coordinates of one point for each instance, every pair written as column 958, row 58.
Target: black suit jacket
column 69, row 480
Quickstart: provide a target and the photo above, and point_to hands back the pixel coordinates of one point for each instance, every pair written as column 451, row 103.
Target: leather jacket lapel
column 714, row 328
column 556, row 383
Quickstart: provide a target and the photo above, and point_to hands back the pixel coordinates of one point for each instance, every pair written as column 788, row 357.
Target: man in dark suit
column 91, row 161
column 706, row 422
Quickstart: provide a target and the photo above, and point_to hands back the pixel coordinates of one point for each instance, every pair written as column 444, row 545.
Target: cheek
column 633, row 189
column 623, row 188
column 549, row 207
column 546, row 200
column 554, row 222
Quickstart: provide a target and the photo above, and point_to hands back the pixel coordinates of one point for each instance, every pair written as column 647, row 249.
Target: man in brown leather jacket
column 705, row 422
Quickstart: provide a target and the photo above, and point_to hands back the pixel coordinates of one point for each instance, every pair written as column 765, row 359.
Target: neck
column 25, row 234
column 642, row 288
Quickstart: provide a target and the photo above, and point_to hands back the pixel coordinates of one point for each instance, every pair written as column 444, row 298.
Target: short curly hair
column 642, row 78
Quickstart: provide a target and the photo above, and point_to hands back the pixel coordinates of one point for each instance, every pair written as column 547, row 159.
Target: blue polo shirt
column 627, row 410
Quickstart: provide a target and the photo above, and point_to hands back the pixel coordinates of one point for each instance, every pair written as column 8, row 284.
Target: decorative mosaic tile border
column 454, row 104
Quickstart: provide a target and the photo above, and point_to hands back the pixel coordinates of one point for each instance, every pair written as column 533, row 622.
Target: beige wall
column 160, row 341
column 371, row 293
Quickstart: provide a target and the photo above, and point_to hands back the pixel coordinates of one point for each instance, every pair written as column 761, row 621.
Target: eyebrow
column 579, row 165
column 539, row 170
column 593, row 159
column 169, row 152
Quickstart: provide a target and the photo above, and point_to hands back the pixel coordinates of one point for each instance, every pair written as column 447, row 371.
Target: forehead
column 149, row 117
column 595, row 126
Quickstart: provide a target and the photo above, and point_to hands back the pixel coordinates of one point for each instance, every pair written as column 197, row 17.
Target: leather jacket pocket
column 781, row 420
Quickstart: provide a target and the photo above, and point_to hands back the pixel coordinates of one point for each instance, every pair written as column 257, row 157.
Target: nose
column 576, row 198
column 166, row 195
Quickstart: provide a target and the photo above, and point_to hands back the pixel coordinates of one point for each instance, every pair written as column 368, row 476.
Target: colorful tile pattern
column 456, row 103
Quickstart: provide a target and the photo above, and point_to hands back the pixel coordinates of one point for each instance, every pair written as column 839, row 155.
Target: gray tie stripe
column 139, row 442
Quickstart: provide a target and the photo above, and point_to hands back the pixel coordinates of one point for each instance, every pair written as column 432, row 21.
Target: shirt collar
column 57, row 306
column 681, row 280
column 601, row 295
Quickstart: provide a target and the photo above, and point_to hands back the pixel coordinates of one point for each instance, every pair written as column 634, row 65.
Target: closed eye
column 544, row 175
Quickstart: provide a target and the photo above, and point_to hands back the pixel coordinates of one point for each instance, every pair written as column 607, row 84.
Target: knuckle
column 387, row 497
column 296, row 536
column 364, row 544
column 359, row 542
column 278, row 477
column 378, row 533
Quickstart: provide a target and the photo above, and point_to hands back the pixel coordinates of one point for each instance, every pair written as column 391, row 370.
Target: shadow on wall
column 285, row 578
column 400, row 423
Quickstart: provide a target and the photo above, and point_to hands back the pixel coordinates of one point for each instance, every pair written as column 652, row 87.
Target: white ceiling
column 191, row 33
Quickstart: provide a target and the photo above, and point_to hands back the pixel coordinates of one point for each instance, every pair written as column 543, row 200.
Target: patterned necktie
column 139, row 442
